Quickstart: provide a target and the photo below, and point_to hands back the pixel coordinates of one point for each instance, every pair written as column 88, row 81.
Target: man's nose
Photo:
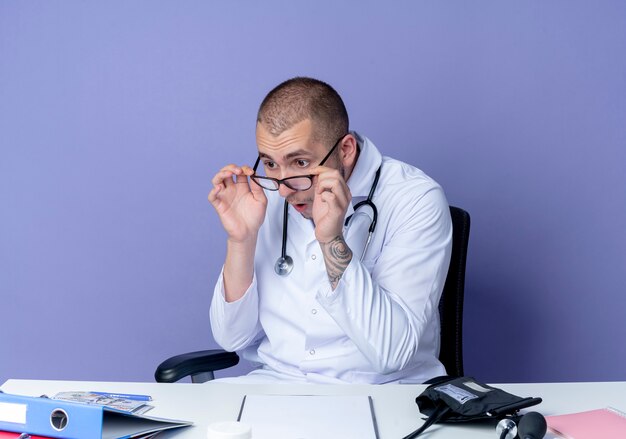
column 284, row 191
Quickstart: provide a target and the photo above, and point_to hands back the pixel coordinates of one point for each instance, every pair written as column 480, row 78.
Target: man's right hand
column 240, row 204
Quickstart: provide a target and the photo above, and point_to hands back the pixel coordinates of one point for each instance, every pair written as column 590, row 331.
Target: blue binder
column 68, row 420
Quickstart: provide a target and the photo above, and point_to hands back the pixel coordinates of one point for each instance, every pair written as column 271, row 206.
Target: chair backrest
column 451, row 302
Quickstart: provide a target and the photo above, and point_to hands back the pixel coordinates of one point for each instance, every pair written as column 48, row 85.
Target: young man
column 304, row 292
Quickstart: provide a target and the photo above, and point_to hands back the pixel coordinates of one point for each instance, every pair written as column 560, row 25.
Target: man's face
column 292, row 153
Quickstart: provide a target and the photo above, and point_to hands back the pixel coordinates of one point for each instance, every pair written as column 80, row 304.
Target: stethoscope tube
column 284, row 264
column 368, row 202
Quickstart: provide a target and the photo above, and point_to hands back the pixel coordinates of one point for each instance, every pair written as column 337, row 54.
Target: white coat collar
column 369, row 160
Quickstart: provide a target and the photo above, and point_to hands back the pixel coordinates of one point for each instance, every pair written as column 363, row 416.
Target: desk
column 394, row 405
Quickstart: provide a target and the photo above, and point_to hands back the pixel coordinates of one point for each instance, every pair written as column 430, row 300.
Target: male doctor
column 304, row 292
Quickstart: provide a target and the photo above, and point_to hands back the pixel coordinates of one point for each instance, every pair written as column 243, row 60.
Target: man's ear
column 349, row 150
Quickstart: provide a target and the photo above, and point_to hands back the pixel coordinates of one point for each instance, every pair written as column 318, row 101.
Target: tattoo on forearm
column 337, row 256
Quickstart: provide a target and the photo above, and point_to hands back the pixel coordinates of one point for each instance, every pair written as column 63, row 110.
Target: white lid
column 229, row 430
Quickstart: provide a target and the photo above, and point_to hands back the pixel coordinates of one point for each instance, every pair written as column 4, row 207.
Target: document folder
column 68, row 420
column 7, row 435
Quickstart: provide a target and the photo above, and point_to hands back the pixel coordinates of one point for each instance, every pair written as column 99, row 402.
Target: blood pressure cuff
column 464, row 399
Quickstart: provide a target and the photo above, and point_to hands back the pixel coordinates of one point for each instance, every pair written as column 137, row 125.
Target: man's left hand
column 332, row 197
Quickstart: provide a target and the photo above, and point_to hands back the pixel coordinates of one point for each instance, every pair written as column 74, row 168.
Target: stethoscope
column 284, row 264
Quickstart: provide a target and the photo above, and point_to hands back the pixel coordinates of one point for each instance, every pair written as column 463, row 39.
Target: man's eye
column 302, row 163
column 270, row 165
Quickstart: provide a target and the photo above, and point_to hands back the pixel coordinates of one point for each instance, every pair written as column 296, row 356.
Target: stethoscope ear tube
column 370, row 203
column 372, row 227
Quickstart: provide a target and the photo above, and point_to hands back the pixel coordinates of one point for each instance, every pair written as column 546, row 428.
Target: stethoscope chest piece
column 283, row 265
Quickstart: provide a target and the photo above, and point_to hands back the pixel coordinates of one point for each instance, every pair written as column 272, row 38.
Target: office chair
column 201, row 365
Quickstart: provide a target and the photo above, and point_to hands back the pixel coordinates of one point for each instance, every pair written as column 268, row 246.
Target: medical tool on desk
column 531, row 425
column 463, row 399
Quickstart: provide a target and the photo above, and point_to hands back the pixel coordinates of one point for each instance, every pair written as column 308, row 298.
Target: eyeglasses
column 296, row 183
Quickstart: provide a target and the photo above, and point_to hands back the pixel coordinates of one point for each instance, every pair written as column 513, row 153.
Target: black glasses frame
column 285, row 181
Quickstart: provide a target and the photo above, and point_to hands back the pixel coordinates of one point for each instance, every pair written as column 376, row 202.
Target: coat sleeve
column 235, row 325
column 391, row 308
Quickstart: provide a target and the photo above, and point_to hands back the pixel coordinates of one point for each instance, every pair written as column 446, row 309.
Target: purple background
column 115, row 115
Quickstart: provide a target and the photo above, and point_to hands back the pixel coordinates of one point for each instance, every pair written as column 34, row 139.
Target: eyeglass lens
column 295, row 183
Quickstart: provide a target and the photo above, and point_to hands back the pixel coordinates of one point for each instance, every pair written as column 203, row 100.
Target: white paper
column 125, row 405
column 13, row 412
column 309, row 417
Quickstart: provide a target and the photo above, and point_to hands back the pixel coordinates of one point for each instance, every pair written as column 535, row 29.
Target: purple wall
column 115, row 115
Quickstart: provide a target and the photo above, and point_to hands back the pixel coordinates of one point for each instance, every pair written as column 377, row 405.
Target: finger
column 335, row 208
column 254, row 187
column 321, row 170
column 334, row 185
column 246, row 171
column 214, row 193
column 330, row 174
column 335, row 201
column 224, row 177
column 329, row 206
column 243, row 184
column 328, row 198
column 341, row 194
column 329, row 182
column 241, row 178
column 258, row 192
column 232, row 168
column 338, row 199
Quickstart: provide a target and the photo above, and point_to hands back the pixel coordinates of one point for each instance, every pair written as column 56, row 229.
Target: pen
column 125, row 396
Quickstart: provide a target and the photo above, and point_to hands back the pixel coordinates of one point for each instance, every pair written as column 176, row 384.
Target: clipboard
column 68, row 420
column 310, row 416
